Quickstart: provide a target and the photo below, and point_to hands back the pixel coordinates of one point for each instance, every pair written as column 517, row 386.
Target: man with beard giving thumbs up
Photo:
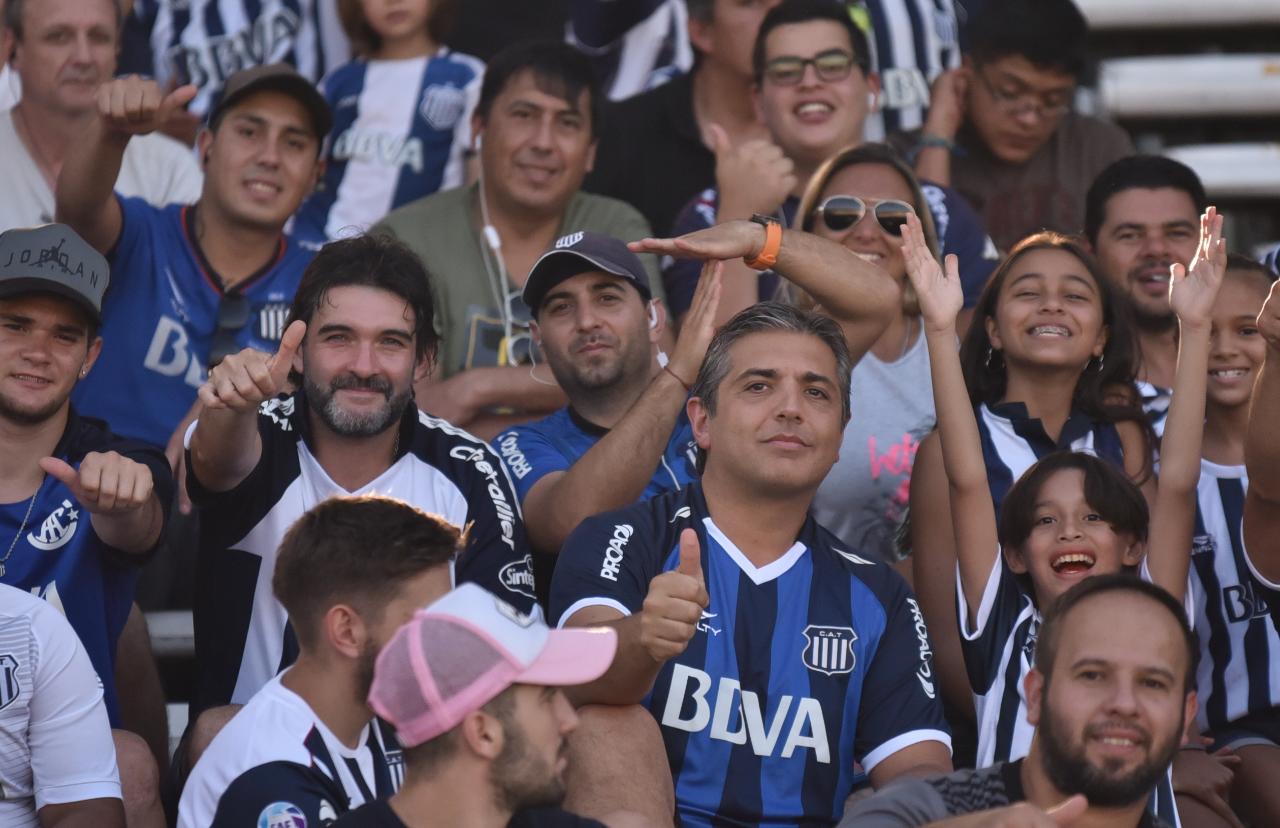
column 360, row 334
column 780, row 666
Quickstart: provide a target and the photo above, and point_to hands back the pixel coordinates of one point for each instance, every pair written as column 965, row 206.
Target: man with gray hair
column 782, row 668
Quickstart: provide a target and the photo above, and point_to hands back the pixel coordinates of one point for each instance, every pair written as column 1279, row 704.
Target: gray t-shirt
column 863, row 499
column 908, row 802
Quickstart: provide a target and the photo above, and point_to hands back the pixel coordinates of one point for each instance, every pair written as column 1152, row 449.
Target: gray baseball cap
column 579, row 253
column 51, row 258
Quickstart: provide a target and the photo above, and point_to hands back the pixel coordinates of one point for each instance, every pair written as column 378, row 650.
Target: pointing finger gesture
column 241, row 382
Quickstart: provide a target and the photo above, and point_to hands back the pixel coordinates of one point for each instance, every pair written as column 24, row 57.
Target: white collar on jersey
column 758, row 574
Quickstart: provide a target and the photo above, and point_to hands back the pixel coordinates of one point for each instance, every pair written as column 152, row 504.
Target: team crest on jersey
column 8, row 680
column 1203, row 545
column 57, row 529
column 829, row 650
column 282, row 815
column 442, row 105
column 279, row 411
column 272, row 320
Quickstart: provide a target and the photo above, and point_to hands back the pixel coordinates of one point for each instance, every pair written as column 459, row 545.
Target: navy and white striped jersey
column 999, row 651
column 400, row 128
column 1239, row 672
column 1012, row 441
column 635, row 45
column 276, row 765
column 912, row 42
column 1155, row 404
column 55, row 740
column 242, row 633
column 204, row 42
column 801, row 670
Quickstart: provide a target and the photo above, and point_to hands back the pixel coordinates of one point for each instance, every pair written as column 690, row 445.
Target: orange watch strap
column 768, row 255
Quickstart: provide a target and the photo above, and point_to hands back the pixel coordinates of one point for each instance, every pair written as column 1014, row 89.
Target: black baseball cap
column 279, row 77
column 52, row 258
column 579, row 253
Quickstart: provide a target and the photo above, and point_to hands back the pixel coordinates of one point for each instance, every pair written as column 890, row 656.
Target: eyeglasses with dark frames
column 1047, row 106
column 831, row 65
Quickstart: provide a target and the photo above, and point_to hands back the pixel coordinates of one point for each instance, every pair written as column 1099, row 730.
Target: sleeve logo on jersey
column 442, row 105
column 614, row 551
column 829, row 650
column 53, row 532
column 9, row 687
column 480, row 459
column 517, row 576
column 509, row 445
column 282, row 815
column 925, row 674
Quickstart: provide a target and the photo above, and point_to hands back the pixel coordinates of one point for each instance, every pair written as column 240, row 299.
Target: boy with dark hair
column 1001, row 129
column 307, row 748
column 535, row 127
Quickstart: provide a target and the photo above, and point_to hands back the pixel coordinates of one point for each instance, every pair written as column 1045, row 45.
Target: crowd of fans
column 741, row 412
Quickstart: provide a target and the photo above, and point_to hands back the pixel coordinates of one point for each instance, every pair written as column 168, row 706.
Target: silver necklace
column 31, row 504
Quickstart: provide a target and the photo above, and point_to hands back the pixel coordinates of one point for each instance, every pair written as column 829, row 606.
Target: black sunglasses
column 233, row 315
column 840, row 212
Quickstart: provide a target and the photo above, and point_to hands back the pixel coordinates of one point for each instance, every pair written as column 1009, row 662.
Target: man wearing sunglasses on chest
column 197, row 282
column 813, row 91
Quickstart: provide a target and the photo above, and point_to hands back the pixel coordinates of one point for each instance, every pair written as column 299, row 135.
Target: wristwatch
column 768, row 255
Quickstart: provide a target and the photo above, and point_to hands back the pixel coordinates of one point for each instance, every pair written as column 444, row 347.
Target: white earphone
column 653, row 315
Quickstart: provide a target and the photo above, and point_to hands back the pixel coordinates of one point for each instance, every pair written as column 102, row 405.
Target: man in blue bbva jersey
column 193, row 282
column 80, row 508
column 780, row 666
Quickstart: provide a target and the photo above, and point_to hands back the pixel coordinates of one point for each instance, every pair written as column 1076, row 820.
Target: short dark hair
column 15, row 11
column 1055, row 619
column 701, row 10
column 422, row 761
column 371, row 260
column 357, row 551
column 1148, row 172
column 1051, row 34
column 803, row 11
column 365, row 41
column 1107, row 490
column 558, row 69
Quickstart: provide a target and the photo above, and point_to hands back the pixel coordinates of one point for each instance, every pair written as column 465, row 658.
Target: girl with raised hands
column 1049, row 365
column 1071, row 515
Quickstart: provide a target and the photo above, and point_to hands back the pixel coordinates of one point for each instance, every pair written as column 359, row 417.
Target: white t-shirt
column 155, row 167
column 275, row 761
column 55, row 740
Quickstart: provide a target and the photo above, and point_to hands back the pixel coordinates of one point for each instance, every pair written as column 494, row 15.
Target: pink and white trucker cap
column 463, row 650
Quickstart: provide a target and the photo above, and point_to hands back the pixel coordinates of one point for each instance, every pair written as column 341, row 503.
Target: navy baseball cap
column 582, row 252
column 52, row 258
column 278, row 77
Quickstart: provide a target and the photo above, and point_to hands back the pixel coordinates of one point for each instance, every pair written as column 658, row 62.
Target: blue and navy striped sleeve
column 529, row 456
column 607, row 561
column 899, row 706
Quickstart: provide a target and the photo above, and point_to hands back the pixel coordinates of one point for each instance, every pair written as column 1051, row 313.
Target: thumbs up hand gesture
column 752, row 177
column 674, row 604
column 135, row 105
column 241, row 382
